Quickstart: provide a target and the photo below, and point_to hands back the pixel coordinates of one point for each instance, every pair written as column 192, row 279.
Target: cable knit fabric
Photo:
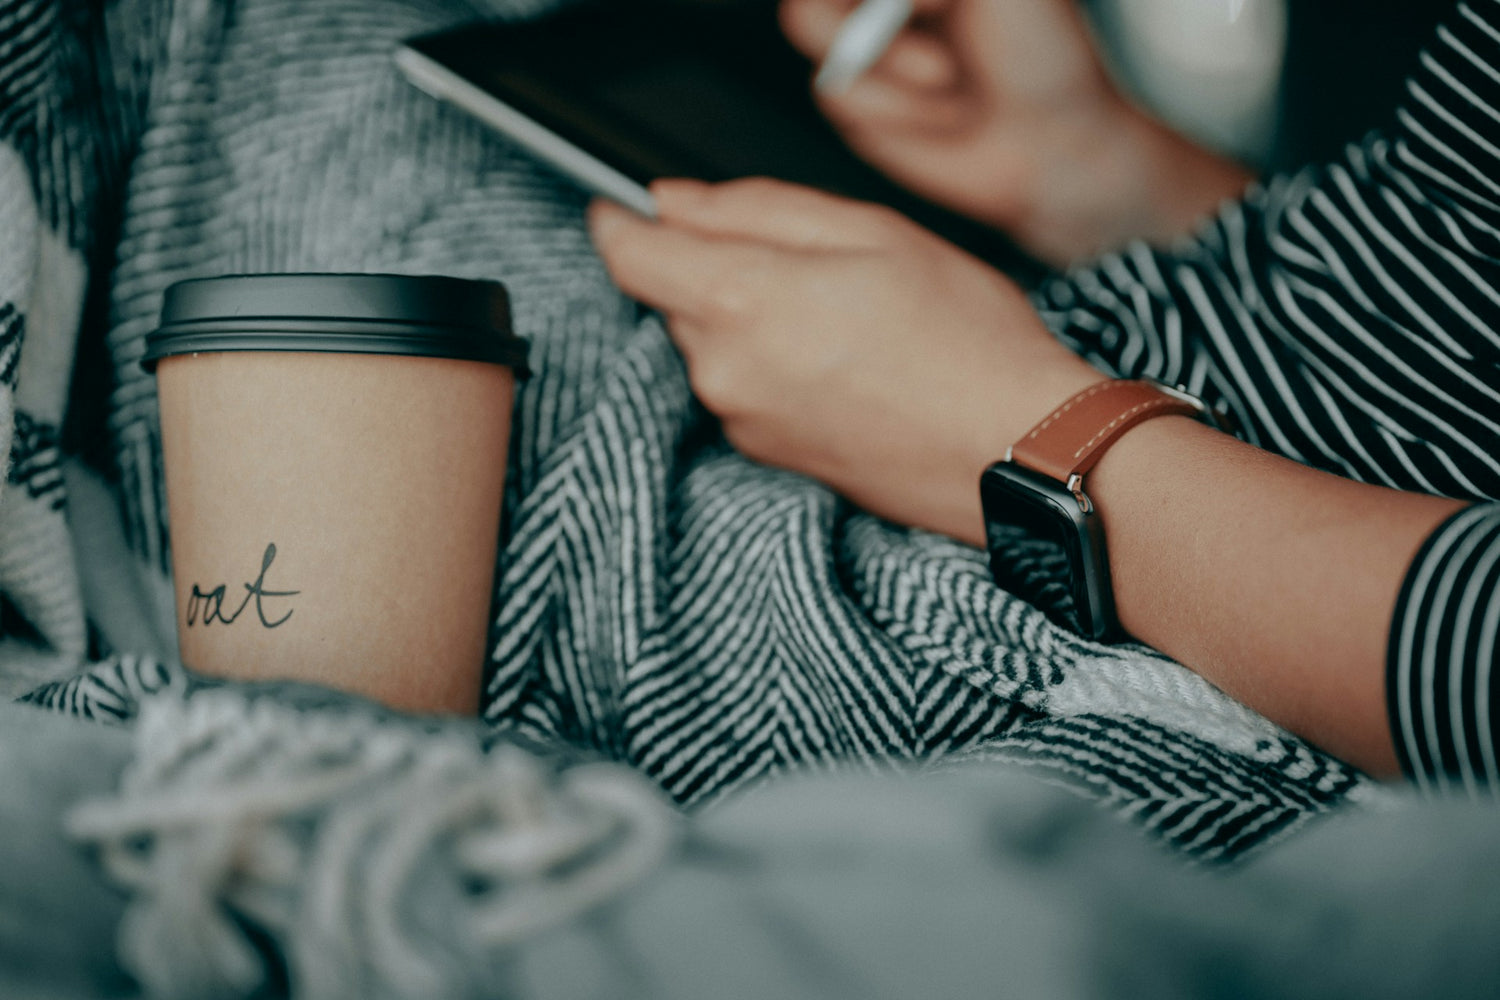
column 661, row 600
column 386, row 860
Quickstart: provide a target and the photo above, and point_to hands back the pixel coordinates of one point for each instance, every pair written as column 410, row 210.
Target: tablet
column 616, row 95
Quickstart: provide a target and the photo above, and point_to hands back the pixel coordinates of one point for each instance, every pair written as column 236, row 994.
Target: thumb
column 915, row 58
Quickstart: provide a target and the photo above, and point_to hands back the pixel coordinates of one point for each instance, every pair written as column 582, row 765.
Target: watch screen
column 1029, row 560
column 1032, row 545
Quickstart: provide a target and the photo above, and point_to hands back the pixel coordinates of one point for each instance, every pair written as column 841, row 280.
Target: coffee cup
column 335, row 449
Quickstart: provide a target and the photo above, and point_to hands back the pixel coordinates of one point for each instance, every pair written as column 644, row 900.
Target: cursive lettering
column 208, row 605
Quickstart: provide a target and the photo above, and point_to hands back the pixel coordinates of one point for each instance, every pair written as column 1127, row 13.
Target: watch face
column 1046, row 550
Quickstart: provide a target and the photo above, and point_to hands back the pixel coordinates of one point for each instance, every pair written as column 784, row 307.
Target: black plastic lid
column 426, row 316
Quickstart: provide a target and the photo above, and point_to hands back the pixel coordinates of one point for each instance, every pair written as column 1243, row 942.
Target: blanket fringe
column 351, row 854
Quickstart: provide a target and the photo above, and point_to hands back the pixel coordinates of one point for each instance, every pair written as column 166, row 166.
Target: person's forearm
column 1274, row 581
column 795, row 312
column 1138, row 179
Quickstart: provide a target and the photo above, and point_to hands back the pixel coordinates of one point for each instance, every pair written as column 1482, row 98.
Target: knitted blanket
column 661, row 599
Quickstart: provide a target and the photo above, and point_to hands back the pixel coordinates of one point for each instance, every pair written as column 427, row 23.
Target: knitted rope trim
column 382, row 859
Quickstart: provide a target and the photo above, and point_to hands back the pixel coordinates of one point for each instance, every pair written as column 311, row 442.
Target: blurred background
column 1278, row 83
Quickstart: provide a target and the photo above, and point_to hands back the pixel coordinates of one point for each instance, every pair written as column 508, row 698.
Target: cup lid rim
column 426, row 315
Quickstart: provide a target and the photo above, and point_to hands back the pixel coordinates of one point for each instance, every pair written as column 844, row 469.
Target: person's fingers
column 688, row 275
column 919, row 60
column 876, row 103
column 775, row 212
column 992, row 188
column 657, row 264
column 915, row 58
column 811, row 24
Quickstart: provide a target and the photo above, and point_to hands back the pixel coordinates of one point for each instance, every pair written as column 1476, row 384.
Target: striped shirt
column 1349, row 315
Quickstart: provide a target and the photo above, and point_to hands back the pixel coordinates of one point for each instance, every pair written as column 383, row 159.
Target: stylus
column 860, row 42
column 588, row 171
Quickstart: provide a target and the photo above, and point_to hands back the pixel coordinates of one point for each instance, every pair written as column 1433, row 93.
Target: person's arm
column 840, row 341
column 1350, row 317
column 1272, row 580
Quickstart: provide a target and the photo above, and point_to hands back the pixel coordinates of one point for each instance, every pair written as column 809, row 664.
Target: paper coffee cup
column 335, row 450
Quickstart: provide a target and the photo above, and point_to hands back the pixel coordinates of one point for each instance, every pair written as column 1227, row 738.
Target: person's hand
column 1001, row 110
column 842, row 341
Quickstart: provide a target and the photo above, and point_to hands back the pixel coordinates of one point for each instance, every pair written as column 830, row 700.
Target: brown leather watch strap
column 1069, row 441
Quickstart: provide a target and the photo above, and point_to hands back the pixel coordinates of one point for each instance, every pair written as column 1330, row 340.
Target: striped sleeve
column 1439, row 681
column 1349, row 315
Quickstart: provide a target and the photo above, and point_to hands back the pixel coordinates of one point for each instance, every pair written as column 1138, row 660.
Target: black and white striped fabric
column 54, row 141
column 1440, row 676
column 1350, row 317
column 661, row 599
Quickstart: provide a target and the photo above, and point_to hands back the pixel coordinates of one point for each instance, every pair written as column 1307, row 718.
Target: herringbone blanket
column 660, row 599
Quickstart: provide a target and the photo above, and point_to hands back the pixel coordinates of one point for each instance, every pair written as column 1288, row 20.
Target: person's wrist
column 1049, row 377
column 1004, row 399
column 1177, row 182
column 1023, row 393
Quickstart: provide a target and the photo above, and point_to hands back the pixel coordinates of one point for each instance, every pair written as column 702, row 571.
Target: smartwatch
column 1041, row 525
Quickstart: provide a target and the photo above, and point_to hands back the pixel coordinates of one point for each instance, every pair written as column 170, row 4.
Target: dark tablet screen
column 657, row 88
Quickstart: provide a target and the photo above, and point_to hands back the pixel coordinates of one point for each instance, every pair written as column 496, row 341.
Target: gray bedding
column 243, row 843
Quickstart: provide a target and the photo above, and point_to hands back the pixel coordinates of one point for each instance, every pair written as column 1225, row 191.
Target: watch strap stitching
column 1076, row 401
column 1164, row 403
column 1069, row 462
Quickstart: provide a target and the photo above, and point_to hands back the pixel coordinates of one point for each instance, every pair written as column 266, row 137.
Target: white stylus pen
column 861, row 40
